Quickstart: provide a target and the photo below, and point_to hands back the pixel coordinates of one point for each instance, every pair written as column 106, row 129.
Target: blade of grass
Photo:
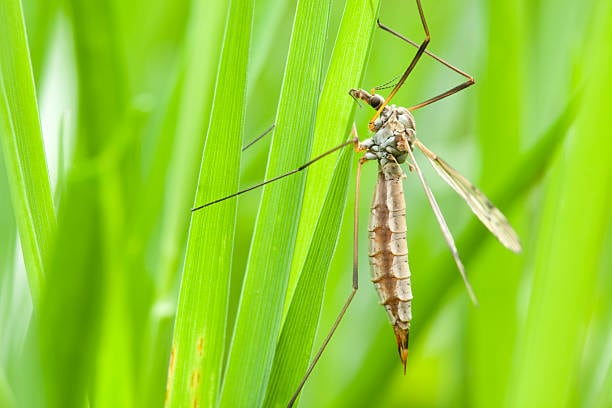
column 105, row 145
column 505, row 43
column 8, row 276
column 259, row 315
column 494, row 325
column 39, row 17
column 594, row 383
column 171, row 184
column 334, row 112
column 297, row 337
column 87, row 288
column 8, row 272
column 7, row 399
column 22, row 147
column 201, row 57
column 194, row 376
column 568, row 253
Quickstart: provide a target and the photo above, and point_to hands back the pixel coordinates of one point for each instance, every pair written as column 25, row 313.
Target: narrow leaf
column 22, row 146
column 261, row 304
column 194, row 375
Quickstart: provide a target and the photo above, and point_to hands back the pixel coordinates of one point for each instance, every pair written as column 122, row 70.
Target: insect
column 392, row 143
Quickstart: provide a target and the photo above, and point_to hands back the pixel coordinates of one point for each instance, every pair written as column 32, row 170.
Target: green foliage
column 199, row 338
column 22, row 147
column 106, row 276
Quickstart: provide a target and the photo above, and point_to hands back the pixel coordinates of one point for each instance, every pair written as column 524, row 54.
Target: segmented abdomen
column 388, row 252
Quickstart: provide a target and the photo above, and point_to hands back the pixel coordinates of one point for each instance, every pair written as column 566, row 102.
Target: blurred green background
column 106, row 109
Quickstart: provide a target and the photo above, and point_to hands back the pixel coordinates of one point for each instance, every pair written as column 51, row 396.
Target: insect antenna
column 389, row 84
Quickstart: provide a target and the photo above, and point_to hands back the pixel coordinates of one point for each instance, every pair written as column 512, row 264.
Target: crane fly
column 392, row 143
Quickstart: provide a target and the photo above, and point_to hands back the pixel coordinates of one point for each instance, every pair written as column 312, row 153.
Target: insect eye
column 376, row 101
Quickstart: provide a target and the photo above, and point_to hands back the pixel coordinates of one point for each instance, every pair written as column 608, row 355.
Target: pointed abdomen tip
column 401, row 335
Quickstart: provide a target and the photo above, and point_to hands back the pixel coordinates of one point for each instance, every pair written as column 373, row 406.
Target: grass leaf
column 263, row 292
column 22, row 146
column 199, row 341
column 294, row 347
column 571, row 242
column 334, row 113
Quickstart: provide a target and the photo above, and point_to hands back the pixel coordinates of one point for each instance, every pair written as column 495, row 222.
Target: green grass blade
column 571, row 243
column 8, row 274
column 7, row 399
column 293, row 352
column 259, row 316
column 201, row 60
column 171, row 185
column 499, row 144
column 199, row 339
column 334, row 113
column 88, row 284
column 499, row 147
column 494, row 325
column 22, row 146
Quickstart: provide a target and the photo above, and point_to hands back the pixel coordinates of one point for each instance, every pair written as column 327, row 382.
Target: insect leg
column 258, row 138
column 355, row 282
column 444, row 227
column 463, row 85
column 413, row 63
column 353, row 141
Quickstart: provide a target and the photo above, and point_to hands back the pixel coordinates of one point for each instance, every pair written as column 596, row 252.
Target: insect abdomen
column 388, row 252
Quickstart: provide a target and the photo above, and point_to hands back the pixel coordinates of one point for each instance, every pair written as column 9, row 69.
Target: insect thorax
column 394, row 133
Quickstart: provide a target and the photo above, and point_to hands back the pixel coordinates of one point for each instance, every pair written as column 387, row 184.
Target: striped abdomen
column 388, row 252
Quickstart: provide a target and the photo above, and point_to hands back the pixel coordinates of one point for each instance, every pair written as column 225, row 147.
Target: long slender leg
column 444, row 227
column 258, row 138
column 469, row 82
column 413, row 63
column 350, row 296
column 354, row 141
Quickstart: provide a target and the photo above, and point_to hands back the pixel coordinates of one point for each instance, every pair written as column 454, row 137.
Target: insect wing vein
column 486, row 212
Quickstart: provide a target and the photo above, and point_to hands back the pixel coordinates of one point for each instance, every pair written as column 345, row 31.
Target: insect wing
column 486, row 212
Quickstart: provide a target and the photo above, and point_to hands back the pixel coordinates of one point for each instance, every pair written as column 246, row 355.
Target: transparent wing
column 486, row 212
